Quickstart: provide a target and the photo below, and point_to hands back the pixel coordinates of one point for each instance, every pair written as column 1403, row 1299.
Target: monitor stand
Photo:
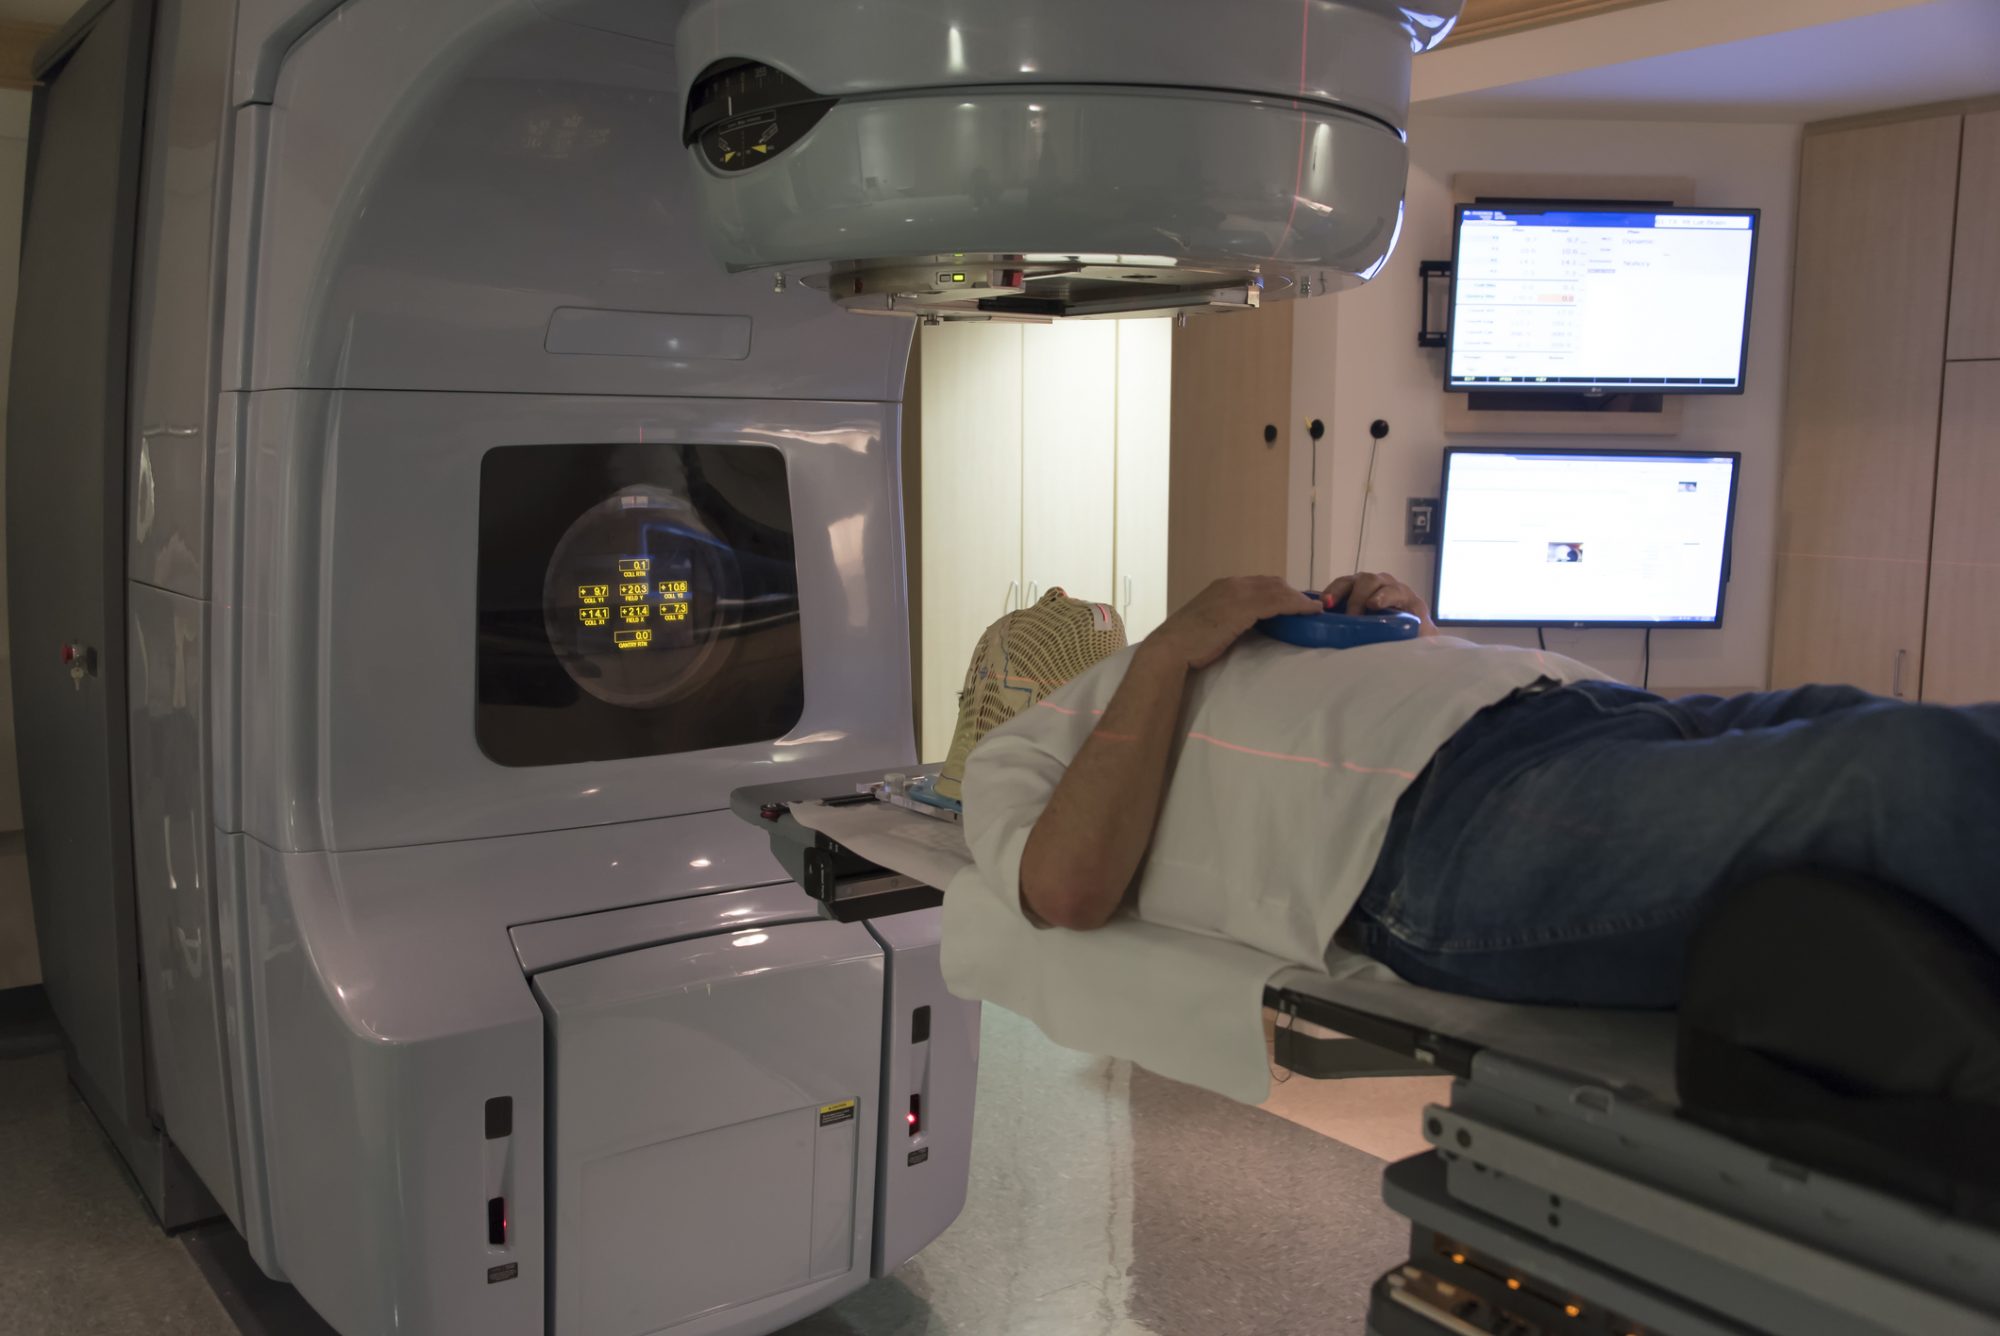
column 1554, row 401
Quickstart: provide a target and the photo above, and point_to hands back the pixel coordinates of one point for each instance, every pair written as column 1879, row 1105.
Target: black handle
column 1430, row 271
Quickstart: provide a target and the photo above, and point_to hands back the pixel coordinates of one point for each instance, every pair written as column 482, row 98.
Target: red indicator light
column 913, row 1119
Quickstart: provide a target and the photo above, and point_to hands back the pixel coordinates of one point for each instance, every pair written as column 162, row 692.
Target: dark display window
column 634, row 600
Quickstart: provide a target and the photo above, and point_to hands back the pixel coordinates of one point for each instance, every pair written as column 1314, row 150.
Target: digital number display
column 635, row 600
column 621, row 599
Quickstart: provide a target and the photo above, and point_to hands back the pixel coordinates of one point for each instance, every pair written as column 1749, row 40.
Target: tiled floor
column 83, row 1256
column 1104, row 1201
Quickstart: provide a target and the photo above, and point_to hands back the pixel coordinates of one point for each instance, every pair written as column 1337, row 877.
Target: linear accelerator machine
column 441, row 454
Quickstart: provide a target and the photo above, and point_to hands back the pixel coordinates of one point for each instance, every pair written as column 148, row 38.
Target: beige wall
column 1379, row 372
column 18, row 962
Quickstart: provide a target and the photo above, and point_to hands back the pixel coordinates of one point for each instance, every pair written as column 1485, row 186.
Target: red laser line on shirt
column 1299, row 760
column 1351, row 766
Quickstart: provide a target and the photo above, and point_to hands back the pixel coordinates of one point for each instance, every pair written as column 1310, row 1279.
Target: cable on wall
column 1377, row 430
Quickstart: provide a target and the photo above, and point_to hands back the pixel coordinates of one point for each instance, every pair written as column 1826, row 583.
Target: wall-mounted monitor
column 1633, row 538
column 1599, row 299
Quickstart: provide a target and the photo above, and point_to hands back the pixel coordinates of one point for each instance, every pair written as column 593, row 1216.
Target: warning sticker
column 843, row 1112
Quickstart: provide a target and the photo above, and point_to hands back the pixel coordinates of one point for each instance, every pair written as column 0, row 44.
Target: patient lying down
column 1482, row 819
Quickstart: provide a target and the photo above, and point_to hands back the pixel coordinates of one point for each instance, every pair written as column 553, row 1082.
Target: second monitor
column 1631, row 538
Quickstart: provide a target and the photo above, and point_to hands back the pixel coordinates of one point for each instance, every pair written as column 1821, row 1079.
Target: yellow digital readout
column 673, row 612
column 632, row 593
column 632, row 639
column 593, row 593
column 673, row 588
column 631, row 568
column 633, row 613
column 598, row 616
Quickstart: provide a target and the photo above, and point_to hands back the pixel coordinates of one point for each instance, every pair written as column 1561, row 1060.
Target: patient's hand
column 1216, row 618
column 1379, row 592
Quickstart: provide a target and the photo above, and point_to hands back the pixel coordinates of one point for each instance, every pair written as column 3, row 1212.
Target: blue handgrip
column 1337, row 630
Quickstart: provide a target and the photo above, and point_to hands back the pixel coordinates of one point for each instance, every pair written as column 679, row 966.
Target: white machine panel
column 1045, row 158
column 712, row 1110
column 528, row 217
column 361, row 636
column 174, row 882
column 580, row 937
column 930, row 1071
column 1247, row 45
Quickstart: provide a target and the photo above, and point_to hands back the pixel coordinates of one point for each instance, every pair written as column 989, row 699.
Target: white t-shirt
column 1291, row 763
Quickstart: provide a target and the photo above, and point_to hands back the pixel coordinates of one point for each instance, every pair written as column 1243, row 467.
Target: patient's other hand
column 1377, row 591
column 1213, row 620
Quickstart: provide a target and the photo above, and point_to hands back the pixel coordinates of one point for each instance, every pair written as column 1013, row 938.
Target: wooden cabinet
column 1145, row 433
column 1975, row 275
column 1962, row 644
column 1870, row 292
column 1888, row 553
column 1043, row 466
column 1228, row 504
column 971, row 554
column 1069, row 454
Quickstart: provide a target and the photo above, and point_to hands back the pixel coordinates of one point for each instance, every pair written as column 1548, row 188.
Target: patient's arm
column 1088, row 843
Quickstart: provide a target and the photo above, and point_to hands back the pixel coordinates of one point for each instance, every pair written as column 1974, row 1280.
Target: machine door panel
column 930, row 1069
column 65, row 508
column 714, row 1129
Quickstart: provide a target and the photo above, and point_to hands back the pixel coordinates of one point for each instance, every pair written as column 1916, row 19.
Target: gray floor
column 1104, row 1202
column 84, row 1257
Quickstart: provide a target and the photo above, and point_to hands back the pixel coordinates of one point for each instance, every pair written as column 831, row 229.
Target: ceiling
column 1936, row 51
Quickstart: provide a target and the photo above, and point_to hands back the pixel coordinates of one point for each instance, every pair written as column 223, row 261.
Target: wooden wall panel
column 1228, row 501
column 1867, row 350
column 18, row 44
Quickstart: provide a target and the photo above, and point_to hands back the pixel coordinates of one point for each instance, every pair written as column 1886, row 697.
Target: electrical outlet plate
column 1420, row 522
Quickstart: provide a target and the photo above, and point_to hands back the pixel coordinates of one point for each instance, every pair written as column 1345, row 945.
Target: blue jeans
column 1563, row 845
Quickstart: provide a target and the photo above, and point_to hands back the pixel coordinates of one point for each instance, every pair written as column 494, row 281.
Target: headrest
column 1021, row 659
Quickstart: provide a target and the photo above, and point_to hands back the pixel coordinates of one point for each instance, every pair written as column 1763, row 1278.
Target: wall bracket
column 1430, row 271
